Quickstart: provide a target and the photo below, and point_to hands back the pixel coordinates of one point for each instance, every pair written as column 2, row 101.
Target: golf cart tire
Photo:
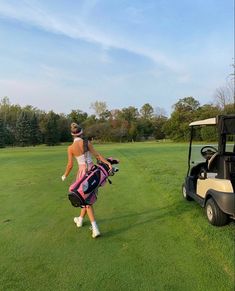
column 214, row 214
column 184, row 193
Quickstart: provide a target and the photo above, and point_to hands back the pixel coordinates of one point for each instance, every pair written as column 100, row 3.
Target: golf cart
column 210, row 179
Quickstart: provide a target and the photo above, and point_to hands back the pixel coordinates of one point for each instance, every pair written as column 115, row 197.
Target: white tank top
column 84, row 158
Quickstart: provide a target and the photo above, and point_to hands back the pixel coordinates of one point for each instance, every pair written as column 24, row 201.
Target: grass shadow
column 173, row 211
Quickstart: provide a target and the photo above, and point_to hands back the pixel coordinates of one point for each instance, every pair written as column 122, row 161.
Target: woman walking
column 76, row 150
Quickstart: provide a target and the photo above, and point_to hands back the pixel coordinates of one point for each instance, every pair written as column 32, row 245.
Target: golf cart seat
column 213, row 163
column 198, row 169
column 229, row 169
column 224, row 165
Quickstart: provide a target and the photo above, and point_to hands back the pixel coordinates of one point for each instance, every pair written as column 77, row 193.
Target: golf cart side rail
column 225, row 200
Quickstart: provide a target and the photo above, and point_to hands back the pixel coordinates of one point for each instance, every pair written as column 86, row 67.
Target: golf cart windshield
column 204, row 142
column 211, row 136
column 197, row 156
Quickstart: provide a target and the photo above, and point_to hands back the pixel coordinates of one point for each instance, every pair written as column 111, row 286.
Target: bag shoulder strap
column 85, row 149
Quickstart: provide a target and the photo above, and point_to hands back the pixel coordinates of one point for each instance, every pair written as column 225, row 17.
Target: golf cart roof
column 209, row 121
column 225, row 123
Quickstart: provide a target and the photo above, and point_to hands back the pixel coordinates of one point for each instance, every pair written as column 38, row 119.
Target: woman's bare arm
column 97, row 155
column 70, row 162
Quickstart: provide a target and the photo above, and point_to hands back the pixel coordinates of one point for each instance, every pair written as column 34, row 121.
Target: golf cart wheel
column 184, row 193
column 214, row 214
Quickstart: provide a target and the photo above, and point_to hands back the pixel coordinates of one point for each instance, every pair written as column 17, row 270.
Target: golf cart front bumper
column 225, row 201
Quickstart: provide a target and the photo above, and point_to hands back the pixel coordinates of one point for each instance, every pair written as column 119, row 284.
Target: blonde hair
column 76, row 130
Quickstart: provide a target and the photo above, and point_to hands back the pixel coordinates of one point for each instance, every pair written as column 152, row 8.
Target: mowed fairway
column 151, row 238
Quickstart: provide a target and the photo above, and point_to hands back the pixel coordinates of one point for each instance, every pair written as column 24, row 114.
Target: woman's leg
column 90, row 212
column 79, row 220
column 83, row 212
column 95, row 230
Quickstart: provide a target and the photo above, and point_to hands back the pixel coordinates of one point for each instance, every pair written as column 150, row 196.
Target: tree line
column 30, row 126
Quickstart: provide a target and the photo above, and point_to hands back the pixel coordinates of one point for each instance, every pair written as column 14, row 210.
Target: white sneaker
column 78, row 221
column 95, row 232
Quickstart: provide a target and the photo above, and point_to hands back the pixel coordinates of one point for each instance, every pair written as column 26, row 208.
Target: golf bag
column 84, row 191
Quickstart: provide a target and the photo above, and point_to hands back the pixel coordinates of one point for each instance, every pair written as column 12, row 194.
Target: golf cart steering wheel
column 208, row 151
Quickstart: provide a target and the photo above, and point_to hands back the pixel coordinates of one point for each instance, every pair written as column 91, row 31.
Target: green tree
column 158, row 127
column 129, row 114
column 99, row 107
column 184, row 112
column 145, row 128
column 10, row 115
column 187, row 104
column 146, row 111
column 229, row 108
column 2, row 133
column 208, row 133
column 64, row 127
column 23, row 129
column 99, row 131
column 35, row 134
column 207, row 111
column 106, row 115
column 52, row 133
column 77, row 116
column 129, row 117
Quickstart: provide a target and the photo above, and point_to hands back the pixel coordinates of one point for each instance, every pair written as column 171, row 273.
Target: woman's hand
column 63, row 178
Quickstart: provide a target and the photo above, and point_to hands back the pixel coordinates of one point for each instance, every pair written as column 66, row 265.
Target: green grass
column 151, row 238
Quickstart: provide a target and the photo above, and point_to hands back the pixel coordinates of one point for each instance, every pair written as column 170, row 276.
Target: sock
column 94, row 225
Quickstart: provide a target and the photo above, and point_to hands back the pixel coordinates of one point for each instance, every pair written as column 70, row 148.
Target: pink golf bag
column 84, row 191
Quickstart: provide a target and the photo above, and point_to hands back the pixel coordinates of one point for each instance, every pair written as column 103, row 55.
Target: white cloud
column 29, row 13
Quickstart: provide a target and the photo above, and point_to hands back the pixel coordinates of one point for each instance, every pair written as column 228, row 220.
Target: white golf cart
column 210, row 179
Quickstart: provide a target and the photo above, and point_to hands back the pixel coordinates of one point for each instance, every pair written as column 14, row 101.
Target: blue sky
column 65, row 54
